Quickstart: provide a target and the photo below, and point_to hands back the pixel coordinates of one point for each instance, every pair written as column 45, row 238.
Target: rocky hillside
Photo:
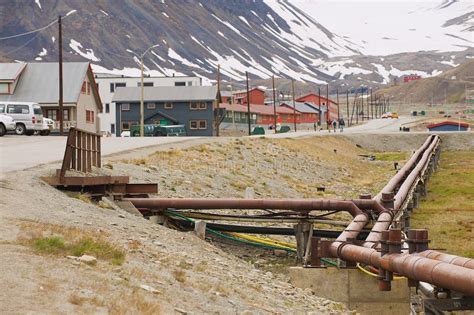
column 450, row 87
column 192, row 37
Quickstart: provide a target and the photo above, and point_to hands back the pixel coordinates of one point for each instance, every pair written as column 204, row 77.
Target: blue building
column 448, row 126
column 191, row 106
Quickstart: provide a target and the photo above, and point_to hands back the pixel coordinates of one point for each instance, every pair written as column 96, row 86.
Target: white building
column 109, row 83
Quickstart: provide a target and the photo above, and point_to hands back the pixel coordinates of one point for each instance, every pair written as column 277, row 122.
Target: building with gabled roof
column 39, row 82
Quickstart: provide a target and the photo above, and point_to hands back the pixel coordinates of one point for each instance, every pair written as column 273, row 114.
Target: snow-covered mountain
column 312, row 41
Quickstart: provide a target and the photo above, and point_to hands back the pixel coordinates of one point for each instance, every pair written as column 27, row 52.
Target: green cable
column 329, row 262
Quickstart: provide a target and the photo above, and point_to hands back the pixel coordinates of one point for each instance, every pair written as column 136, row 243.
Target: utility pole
column 142, row 105
column 61, row 108
column 248, row 102
column 327, row 106
column 274, row 106
column 319, row 105
column 217, row 115
column 337, row 100
column 294, row 105
column 347, row 105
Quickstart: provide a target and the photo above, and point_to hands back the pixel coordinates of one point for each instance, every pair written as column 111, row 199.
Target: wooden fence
column 82, row 152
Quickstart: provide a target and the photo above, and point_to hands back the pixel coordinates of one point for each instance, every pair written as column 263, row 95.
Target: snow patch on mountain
column 88, row 53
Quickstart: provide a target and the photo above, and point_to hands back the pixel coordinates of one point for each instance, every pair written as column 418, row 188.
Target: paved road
column 20, row 152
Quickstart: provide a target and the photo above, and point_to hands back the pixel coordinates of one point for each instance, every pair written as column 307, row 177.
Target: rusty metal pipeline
column 412, row 177
column 394, row 182
column 299, row 205
column 412, row 266
column 447, row 258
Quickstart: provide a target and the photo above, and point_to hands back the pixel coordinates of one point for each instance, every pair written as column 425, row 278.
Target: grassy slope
column 448, row 211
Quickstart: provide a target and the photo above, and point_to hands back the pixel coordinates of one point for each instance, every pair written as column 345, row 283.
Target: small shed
column 448, row 126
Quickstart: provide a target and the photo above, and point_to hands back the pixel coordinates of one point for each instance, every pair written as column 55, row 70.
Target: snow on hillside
column 389, row 27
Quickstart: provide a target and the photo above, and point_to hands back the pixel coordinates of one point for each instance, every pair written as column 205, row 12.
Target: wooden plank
column 67, row 154
column 89, row 152
column 84, row 153
column 74, row 151
column 86, row 181
column 94, row 149
column 99, row 154
column 79, row 151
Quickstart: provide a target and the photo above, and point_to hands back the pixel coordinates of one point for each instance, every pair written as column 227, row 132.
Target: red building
column 257, row 96
column 411, row 77
column 321, row 101
column 308, row 114
column 226, row 97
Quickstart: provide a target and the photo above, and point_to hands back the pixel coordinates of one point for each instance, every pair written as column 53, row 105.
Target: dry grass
column 58, row 240
column 448, row 210
column 179, row 275
column 135, row 303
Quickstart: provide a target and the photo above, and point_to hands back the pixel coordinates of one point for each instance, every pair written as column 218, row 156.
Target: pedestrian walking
column 334, row 125
column 342, row 123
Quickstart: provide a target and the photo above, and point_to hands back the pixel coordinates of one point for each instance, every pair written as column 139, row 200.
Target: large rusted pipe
column 369, row 204
column 383, row 222
column 354, row 228
column 300, row 205
column 395, row 181
column 412, row 266
column 447, row 258
column 411, row 178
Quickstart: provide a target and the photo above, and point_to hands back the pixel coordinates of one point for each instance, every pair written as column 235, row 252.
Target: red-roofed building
column 320, row 100
column 411, row 77
column 257, row 96
column 448, row 126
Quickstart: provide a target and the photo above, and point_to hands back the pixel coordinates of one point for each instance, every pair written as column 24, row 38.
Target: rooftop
column 166, row 93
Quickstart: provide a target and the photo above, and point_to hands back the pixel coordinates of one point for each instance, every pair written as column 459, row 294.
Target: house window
column 168, row 105
column 114, row 86
column 90, row 116
column 150, row 106
column 126, row 125
column 65, row 114
column 145, row 84
column 193, row 124
column 52, row 114
column 112, row 128
column 180, row 83
column 107, row 107
column 202, row 124
column 198, row 124
column 190, row 83
column 125, row 106
column 197, row 106
column 84, row 88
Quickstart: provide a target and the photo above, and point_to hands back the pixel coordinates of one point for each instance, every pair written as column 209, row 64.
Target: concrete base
column 354, row 288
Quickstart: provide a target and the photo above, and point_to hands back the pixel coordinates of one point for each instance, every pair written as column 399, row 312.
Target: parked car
column 7, row 123
column 390, row 115
column 27, row 115
column 48, row 126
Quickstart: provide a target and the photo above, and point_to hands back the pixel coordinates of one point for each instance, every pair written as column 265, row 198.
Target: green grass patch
column 53, row 239
column 448, row 209
column 391, row 156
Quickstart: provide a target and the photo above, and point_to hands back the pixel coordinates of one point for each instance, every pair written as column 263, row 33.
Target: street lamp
column 142, row 106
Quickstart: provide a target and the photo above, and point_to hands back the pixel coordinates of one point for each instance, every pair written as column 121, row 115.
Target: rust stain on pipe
column 450, row 259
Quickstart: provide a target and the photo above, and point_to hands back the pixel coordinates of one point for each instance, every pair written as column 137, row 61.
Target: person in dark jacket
column 342, row 123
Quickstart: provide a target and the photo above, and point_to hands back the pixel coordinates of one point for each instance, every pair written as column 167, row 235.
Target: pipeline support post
column 303, row 235
column 417, row 240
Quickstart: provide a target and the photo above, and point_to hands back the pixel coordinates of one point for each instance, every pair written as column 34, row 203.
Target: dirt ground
column 166, row 271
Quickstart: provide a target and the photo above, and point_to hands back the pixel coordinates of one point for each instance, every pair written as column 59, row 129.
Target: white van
column 28, row 116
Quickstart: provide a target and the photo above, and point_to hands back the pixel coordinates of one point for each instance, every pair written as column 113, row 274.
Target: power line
column 18, row 48
column 38, row 29
column 29, row 32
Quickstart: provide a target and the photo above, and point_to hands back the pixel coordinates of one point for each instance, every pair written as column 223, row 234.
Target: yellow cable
column 373, row 274
column 264, row 241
